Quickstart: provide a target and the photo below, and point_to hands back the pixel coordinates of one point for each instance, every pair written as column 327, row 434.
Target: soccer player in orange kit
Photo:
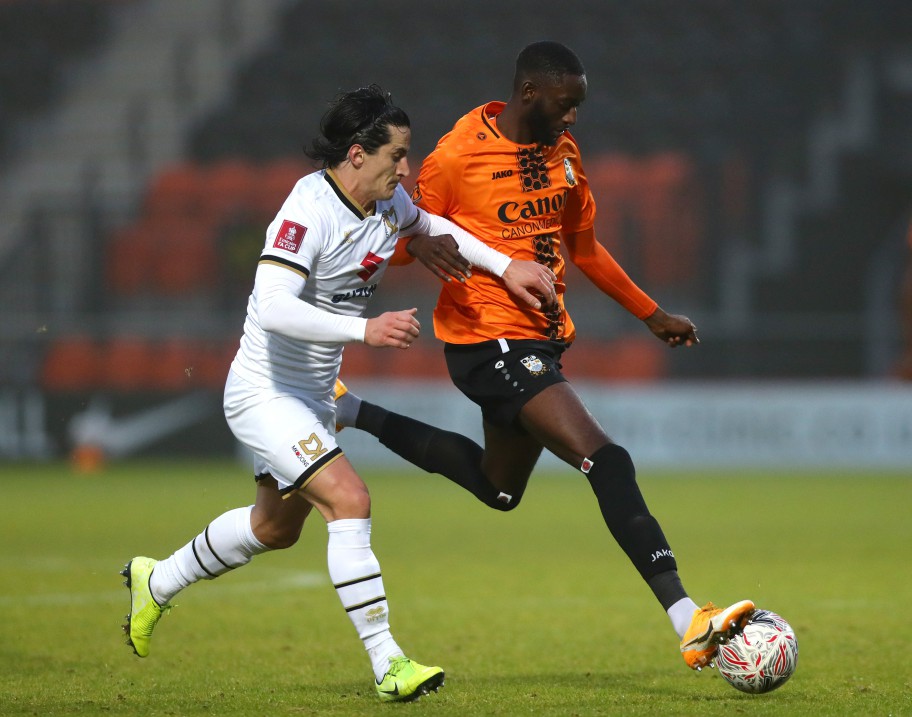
column 511, row 174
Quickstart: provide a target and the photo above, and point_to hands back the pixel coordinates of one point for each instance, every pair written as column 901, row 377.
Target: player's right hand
column 441, row 255
column 674, row 329
column 396, row 329
column 531, row 282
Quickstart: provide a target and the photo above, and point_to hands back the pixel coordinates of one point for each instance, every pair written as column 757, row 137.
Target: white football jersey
column 324, row 235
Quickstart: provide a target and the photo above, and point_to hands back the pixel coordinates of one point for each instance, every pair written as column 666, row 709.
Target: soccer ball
column 762, row 656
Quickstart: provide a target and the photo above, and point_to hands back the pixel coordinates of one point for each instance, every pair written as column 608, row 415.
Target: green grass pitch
column 531, row 612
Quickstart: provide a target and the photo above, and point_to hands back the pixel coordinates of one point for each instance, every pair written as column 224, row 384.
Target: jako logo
column 664, row 553
column 502, row 173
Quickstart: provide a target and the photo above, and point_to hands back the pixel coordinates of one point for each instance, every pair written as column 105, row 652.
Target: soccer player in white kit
column 324, row 256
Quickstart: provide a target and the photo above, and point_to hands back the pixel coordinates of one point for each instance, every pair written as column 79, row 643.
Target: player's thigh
column 509, row 457
column 289, row 434
column 559, row 420
column 338, row 492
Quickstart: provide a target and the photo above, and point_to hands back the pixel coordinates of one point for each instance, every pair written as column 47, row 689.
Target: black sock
column 434, row 450
column 370, row 418
column 667, row 588
column 613, row 480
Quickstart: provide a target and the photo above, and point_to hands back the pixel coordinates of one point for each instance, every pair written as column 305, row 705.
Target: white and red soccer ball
column 762, row 656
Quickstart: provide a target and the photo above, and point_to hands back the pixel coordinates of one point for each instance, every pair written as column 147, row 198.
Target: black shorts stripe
column 311, row 472
column 365, row 603
column 356, row 581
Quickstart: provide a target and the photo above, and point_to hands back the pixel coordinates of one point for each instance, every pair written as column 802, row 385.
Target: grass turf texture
column 531, row 612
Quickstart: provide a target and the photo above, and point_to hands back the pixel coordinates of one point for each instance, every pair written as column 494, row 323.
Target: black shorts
column 502, row 375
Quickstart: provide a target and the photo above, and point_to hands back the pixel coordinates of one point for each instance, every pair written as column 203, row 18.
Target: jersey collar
column 488, row 113
column 333, row 181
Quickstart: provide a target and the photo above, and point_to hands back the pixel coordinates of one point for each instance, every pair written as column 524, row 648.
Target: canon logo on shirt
column 510, row 212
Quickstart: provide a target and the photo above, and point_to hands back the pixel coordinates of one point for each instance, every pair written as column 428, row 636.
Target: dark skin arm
column 528, row 281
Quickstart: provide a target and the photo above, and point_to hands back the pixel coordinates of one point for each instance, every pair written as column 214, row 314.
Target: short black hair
column 546, row 59
column 363, row 116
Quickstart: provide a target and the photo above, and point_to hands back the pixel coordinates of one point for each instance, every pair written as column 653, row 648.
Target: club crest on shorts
column 534, row 365
column 308, row 450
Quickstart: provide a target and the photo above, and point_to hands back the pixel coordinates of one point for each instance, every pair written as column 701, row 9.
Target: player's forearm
column 475, row 251
column 602, row 270
column 279, row 310
column 623, row 290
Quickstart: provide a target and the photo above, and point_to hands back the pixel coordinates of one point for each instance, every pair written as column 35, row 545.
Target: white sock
column 227, row 543
column 681, row 613
column 355, row 573
column 347, row 407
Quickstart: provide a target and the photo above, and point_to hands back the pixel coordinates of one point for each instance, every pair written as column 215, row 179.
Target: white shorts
column 291, row 434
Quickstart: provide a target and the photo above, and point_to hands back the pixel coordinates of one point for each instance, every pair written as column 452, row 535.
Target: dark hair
column 546, row 59
column 361, row 116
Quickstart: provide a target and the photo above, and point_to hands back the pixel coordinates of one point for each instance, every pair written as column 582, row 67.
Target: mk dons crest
column 568, row 172
column 308, row 450
column 534, row 365
column 390, row 221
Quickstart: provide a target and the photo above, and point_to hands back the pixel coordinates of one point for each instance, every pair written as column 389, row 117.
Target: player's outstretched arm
column 530, row 282
column 674, row 329
column 396, row 329
column 601, row 268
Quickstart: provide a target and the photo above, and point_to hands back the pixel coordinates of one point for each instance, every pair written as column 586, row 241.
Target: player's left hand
column 396, row 329
column 531, row 282
column 440, row 254
column 674, row 329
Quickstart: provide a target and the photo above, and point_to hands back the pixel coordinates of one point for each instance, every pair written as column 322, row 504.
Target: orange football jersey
column 515, row 198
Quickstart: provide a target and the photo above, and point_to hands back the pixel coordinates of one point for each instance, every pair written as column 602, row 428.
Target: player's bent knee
column 504, row 502
column 354, row 503
column 359, row 501
column 612, row 457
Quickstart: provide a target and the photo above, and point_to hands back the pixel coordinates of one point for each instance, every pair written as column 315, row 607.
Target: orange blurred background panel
column 73, row 363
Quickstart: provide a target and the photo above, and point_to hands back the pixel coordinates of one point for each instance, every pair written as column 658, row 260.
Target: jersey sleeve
column 295, row 238
column 602, row 270
column 280, row 310
column 579, row 212
column 433, row 191
column 406, row 210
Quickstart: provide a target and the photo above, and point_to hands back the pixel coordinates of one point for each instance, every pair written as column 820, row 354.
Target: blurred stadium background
column 751, row 160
